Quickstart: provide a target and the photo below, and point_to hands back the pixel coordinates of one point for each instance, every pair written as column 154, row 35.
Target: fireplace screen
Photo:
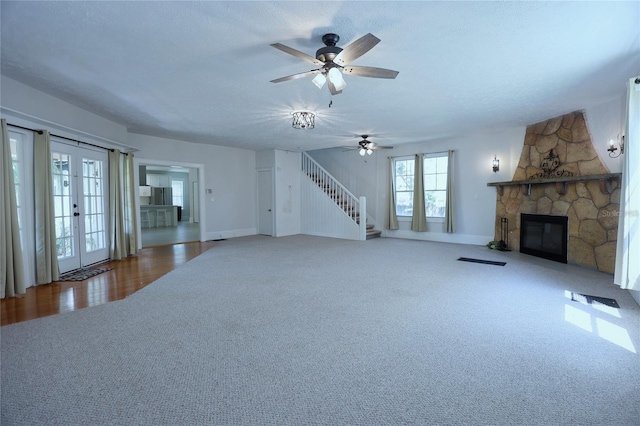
column 544, row 236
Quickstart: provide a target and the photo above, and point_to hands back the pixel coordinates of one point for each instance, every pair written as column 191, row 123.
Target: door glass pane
column 61, row 174
column 93, row 181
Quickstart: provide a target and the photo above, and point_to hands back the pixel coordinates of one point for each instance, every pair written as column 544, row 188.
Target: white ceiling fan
column 334, row 60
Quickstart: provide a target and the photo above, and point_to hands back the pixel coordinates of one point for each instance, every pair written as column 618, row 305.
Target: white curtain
column 46, row 250
column 116, row 207
column 627, row 272
column 392, row 222
column 12, row 280
column 419, row 215
column 122, row 206
column 450, row 208
column 130, row 217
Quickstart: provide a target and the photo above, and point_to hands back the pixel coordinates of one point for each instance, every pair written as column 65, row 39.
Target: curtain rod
column 64, row 137
column 423, row 153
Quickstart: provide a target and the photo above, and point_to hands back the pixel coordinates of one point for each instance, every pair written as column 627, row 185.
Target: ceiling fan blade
column 297, row 53
column 296, row 76
column 332, row 88
column 381, row 147
column 369, row 72
column 356, row 49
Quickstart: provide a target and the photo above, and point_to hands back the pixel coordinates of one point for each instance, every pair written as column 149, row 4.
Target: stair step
column 373, row 234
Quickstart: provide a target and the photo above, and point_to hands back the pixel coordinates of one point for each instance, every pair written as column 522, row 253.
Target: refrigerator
column 161, row 196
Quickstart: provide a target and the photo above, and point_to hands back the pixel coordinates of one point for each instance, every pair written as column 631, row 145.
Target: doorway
column 80, row 194
column 265, row 202
column 180, row 181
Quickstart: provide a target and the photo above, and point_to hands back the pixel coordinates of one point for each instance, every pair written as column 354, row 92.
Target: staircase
column 345, row 200
column 372, row 233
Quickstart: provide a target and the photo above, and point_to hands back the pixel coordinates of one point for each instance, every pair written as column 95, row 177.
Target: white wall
column 475, row 201
column 606, row 121
column 230, row 209
column 287, row 193
column 228, row 212
column 28, row 107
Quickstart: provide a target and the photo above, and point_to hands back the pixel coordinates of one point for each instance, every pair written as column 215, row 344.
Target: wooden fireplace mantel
column 561, row 182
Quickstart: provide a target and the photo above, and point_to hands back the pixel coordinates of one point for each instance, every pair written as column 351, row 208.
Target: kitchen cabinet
column 158, row 180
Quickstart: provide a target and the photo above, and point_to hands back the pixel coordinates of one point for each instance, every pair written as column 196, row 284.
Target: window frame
column 181, row 182
column 445, row 156
column 395, row 185
column 441, row 154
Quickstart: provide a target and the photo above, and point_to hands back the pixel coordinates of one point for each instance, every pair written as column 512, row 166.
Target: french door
column 80, row 193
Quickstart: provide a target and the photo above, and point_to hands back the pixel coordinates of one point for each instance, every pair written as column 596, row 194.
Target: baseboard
column 478, row 240
column 233, row 233
column 636, row 296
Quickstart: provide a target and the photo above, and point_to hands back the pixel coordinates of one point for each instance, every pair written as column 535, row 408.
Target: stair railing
column 352, row 206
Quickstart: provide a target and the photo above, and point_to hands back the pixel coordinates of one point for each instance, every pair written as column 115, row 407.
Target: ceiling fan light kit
column 366, row 147
column 319, row 80
column 333, row 62
column 335, row 77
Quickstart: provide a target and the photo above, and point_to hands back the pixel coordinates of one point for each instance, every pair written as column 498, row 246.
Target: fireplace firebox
column 544, row 236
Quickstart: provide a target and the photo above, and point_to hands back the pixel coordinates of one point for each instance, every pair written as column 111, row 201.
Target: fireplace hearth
column 544, row 236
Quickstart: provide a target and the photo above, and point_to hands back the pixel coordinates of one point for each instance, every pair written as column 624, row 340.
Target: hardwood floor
column 127, row 276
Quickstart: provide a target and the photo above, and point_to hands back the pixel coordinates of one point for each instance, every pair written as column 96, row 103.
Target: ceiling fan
column 366, row 147
column 333, row 59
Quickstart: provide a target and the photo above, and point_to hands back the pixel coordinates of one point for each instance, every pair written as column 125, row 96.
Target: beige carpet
column 305, row 330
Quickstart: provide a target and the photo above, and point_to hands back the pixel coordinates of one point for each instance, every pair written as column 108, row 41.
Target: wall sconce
column 496, row 164
column 612, row 147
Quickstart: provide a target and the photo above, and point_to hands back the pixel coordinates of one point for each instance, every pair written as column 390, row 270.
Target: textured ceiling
column 200, row 71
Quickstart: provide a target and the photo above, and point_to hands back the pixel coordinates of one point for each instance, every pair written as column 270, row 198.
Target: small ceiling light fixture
column 612, row 147
column 303, row 120
column 496, row 164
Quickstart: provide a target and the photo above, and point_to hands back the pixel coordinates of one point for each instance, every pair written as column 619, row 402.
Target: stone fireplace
column 561, row 174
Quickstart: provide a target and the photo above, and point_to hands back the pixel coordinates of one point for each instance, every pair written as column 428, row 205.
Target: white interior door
column 265, row 202
column 80, row 193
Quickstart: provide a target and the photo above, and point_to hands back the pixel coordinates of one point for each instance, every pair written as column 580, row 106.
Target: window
column 403, row 169
column 178, row 192
column 16, row 144
column 21, row 145
column 435, row 184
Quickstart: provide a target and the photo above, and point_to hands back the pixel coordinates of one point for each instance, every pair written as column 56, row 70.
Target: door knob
column 269, row 210
column 76, row 214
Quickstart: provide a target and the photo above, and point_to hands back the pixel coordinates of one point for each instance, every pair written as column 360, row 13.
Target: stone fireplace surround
column 560, row 173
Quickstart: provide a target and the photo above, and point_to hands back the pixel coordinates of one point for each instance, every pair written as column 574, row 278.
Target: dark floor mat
column 594, row 300
column 486, row 262
column 82, row 274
